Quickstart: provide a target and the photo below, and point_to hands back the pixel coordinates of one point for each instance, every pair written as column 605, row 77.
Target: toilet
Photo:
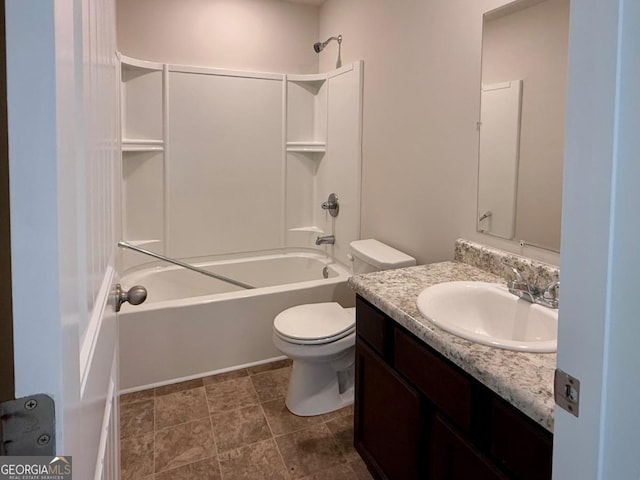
column 320, row 339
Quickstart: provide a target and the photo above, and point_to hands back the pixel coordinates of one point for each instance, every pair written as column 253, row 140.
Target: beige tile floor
column 233, row 426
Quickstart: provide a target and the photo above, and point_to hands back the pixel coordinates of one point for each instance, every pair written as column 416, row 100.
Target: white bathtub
column 192, row 325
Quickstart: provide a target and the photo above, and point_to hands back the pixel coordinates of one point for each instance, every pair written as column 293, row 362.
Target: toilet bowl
column 320, row 339
column 322, row 372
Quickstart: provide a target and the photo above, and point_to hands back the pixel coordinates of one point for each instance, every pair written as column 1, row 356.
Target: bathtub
column 192, row 325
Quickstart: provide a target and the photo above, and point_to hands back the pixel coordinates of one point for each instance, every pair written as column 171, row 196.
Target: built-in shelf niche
column 143, row 196
column 323, row 138
column 306, row 146
column 142, row 101
column 143, row 156
column 302, row 210
column 307, row 113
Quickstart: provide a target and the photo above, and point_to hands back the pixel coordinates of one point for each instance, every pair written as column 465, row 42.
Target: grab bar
column 185, row 265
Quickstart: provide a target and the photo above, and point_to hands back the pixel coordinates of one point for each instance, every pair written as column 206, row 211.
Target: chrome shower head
column 319, row 46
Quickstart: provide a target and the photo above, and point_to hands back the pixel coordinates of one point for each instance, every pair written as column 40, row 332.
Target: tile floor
column 233, row 426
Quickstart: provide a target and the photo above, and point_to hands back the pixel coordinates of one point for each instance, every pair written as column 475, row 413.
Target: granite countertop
column 523, row 379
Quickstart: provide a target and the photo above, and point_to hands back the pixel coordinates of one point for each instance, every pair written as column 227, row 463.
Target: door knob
column 135, row 296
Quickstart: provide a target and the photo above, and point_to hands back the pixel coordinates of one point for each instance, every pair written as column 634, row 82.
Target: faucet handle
column 551, row 292
column 517, row 273
column 332, row 205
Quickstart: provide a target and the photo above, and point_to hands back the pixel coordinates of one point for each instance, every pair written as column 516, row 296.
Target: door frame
column 7, row 374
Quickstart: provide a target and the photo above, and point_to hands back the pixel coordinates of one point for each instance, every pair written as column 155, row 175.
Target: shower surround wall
column 219, row 162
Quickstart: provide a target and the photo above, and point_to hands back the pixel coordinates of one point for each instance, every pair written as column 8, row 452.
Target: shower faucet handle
column 332, row 205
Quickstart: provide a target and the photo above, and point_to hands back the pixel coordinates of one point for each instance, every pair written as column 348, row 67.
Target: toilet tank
column 371, row 256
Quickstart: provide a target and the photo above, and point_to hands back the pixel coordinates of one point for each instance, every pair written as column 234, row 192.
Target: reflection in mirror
column 524, row 77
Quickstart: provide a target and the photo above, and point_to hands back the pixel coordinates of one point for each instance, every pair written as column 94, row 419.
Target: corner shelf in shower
column 307, row 147
column 314, row 80
column 142, row 145
column 143, row 243
column 130, row 62
column 308, row 229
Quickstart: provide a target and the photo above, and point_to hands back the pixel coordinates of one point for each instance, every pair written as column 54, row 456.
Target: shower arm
column 319, row 46
column 328, row 40
column 185, row 265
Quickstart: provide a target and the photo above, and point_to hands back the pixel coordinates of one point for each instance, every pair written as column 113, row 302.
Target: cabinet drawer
column 520, row 446
column 372, row 325
column 447, row 389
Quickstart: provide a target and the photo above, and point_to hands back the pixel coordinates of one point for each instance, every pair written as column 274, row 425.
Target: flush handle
column 332, row 205
column 135, row 296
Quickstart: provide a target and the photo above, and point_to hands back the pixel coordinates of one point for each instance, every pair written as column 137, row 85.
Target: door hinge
column 566, row 391
column 27, row 426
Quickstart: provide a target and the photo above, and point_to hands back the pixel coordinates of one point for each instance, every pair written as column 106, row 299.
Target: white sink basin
column 487, row 313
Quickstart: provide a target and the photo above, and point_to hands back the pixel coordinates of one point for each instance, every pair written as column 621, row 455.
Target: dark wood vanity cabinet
column 391, row 411
column 418, row 416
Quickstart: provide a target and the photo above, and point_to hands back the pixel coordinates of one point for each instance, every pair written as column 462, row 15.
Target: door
column 64, row 164
column 498, row 158
column 6, row 323
column 599, row 328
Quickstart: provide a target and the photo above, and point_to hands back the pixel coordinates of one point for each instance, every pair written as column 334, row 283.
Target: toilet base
column 315, row 388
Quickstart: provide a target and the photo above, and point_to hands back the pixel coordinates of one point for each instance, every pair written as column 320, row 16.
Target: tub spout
column 326, row 240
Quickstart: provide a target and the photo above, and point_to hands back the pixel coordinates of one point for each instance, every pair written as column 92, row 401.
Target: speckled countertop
column 523, row 379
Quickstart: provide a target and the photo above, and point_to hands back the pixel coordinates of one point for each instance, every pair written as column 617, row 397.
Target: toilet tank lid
column 380, row 255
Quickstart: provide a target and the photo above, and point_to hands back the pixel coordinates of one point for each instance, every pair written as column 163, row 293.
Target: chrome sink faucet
column 547, row 297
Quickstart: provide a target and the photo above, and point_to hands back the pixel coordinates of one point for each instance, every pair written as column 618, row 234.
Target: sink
column 487, row 313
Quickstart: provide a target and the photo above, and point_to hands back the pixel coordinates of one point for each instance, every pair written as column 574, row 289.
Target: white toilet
column 320, row 339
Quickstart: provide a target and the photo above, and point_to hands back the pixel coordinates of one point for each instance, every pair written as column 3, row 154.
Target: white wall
column 421, row 105
column 421, row 94
column 255, row 35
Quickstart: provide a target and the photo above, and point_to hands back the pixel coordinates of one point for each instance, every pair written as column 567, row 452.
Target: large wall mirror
column 522, row 120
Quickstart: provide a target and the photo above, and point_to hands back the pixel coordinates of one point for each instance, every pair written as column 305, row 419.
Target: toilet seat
column 314, row 324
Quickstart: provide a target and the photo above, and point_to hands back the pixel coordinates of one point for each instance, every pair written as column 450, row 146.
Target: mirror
column 522, row 120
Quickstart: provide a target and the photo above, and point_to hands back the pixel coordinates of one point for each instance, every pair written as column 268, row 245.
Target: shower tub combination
column 192, row 325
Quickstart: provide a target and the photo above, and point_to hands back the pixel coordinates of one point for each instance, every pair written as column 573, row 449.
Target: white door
column 63, row 159
column 600, row 254
column 498, row 158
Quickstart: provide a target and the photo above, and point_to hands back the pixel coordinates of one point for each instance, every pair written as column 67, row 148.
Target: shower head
column 319, row 46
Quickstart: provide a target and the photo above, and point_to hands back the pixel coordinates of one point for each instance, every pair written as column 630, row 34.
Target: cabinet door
column 452, row 458
column 517, row 444
column 387, row 419
column 432, row 375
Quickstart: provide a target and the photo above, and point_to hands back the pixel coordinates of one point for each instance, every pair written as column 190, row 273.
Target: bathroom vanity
column 432, row 405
